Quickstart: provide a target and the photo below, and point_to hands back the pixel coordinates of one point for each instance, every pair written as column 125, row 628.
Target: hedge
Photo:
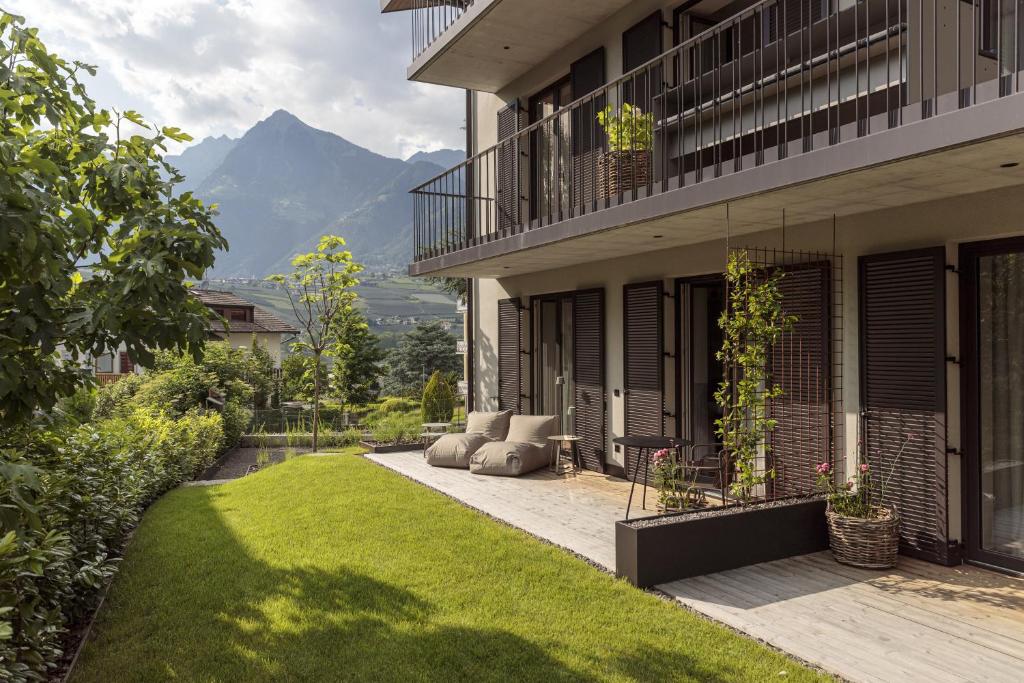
column 68, row 500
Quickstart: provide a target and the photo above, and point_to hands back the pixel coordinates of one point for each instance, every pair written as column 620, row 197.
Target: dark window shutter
column 588, row 371
column 903, row 390
column 507, row 171
column 801, row 367
column 587, row 75
column 126, row 365
column 509, row 352
column 640, row 44
column 643, row 351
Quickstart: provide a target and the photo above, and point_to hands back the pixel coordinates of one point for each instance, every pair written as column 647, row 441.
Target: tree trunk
column 316, row 402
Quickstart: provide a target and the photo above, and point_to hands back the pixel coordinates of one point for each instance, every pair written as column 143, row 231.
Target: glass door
column 550, row 153
column 994, row 401
column 553, row 359
column 701, row 302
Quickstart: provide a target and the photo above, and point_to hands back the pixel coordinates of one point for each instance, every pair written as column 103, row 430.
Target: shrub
column 69, row 502
column 396, row 428
column 79, row 406
column 113, row 398
column 396, row 404
column 438, row 399
column 236, row 420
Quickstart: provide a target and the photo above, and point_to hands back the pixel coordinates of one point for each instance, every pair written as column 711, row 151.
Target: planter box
column 372, row 447
column 622, row 172
column 654, row 550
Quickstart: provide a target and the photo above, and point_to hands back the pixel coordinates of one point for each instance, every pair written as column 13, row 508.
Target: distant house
column 244, row 320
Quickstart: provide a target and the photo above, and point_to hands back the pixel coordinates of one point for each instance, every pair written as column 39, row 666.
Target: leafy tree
column 356, row 369
column 297, row 376
column 456, row 286
column 86, row 188
column 424, row 350
column 320, row 289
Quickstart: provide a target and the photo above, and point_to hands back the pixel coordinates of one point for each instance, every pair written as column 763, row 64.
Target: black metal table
column 646, row 444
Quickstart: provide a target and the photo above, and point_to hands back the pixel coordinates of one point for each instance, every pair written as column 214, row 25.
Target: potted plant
column 862, row 530
column 627, row 163
column 675, row 493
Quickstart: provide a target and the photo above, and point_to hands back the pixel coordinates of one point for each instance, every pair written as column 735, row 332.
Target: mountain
column 284, row 184
column 445, row 158
column 200, row 160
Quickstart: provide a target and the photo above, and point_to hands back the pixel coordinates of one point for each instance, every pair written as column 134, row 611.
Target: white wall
column 271, row 341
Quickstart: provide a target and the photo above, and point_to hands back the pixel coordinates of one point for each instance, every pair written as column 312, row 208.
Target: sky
column 214, row 67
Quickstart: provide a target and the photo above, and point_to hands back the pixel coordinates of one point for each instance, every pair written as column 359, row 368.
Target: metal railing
column 779, row 79
column 431, row 18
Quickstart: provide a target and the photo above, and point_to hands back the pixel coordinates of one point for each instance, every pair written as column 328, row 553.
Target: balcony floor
column 917, row 622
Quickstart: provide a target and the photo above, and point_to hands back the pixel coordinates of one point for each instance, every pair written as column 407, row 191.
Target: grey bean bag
column 525, row 449
column 492, row 425
column 508, row 459
column 454, row 450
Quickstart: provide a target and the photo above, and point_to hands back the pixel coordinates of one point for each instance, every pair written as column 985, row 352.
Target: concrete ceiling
column 496, row 41
column 959, row 171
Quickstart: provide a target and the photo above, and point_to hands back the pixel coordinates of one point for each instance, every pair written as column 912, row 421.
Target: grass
column 333, row 568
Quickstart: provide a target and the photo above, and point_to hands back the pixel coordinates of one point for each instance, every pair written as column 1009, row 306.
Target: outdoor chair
column 523, row 450
column 455, row 450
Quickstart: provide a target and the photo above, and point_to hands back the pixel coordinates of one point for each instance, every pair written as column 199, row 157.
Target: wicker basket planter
column 622, row 172
column 867, row 543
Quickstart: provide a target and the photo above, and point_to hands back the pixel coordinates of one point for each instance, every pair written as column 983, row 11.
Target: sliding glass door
column 994, row 401
column 553, row 355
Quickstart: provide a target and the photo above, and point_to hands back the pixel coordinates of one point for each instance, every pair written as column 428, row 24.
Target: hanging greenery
column 752, row 323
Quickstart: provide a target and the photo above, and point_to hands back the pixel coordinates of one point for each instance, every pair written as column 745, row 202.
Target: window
column 127, row 366
column 105, row 363
column 239, row 315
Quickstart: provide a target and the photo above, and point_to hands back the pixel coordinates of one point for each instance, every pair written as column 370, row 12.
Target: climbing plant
column 752, row 323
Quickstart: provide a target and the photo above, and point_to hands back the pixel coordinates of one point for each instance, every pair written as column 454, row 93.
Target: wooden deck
column 919, row 622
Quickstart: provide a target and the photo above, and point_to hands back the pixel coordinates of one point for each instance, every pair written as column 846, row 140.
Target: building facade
column 870, row 150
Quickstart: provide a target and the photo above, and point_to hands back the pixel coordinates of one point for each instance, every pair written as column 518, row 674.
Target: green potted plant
column 626, row 165
column 675, row 493
column 862, row 530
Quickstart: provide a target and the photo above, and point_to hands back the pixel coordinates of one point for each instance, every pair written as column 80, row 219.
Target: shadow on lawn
column 215, row 612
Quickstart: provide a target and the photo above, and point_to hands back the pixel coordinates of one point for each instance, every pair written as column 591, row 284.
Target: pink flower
column 849, row 485
column 864, row 468
column 660, row 455
column 824, row 468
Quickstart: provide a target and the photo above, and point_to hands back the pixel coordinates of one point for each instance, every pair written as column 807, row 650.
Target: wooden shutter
column 126, row 365
column 588, row 371
column 643, row 351
column 587, row 75
column 903, row 390
column 509, row 352
column 801, row 365
column 507, row 168
column 640, row 44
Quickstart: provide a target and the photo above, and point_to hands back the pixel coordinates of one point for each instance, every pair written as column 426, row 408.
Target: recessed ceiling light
column 1009, row 164
column 657, row 237
column 506, row 47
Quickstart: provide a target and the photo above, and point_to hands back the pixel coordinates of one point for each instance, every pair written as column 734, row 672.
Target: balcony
column 486, row 44
column 775, row 107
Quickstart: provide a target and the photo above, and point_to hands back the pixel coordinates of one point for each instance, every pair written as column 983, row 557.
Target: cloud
column 218, row 66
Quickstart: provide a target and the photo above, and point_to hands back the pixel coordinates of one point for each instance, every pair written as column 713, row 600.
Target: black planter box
column 715, row 540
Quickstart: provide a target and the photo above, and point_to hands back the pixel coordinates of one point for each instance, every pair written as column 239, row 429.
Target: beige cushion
column 454, row 450
column 492, row 425
column 508, row 459
column 533, row 429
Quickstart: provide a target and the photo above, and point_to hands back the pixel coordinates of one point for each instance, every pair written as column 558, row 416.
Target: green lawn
column 332, row 568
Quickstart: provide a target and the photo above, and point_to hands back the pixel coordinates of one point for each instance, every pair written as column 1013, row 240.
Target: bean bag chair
column 524, row 450
column 454, row 450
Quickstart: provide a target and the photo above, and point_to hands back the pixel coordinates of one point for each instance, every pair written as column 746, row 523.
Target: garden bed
column 380, row 447
column 653, row 550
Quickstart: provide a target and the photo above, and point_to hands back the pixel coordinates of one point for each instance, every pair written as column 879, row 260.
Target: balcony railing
column 779, row 79
column 431, row 18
